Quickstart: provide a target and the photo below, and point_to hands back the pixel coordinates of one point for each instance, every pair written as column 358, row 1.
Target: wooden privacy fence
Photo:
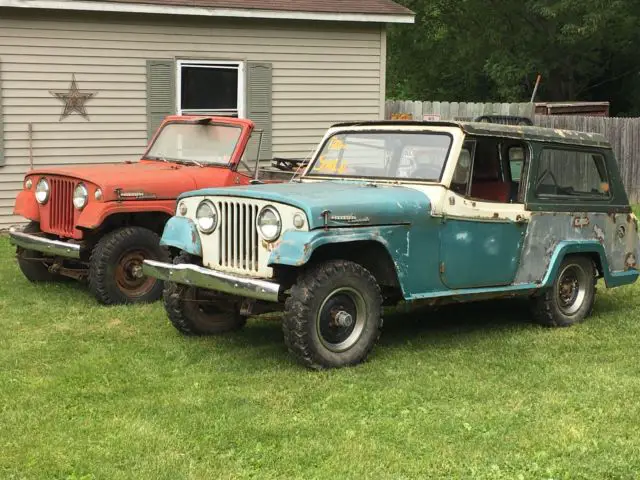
column 410, row 110
column 622, row 133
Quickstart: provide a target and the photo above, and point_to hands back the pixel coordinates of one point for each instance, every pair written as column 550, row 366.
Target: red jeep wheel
column 129, row 276
column 115, row 268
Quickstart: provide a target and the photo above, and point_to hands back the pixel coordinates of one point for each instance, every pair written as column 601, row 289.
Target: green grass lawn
column 464, row 392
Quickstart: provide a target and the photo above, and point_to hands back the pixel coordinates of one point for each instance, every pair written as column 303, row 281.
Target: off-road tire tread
column 99, row 282
column 172, row 299
column 297, row 311
column 542, row 307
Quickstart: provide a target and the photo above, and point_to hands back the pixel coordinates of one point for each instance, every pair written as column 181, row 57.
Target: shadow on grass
column 485, row 316
column 454, row 320
column 419, row 327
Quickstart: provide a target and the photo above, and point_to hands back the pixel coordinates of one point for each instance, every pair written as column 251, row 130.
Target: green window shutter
column 259, row 100
column 161, row 93
column 2, row 159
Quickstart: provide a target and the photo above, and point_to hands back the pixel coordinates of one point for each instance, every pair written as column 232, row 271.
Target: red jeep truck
column 100, row 222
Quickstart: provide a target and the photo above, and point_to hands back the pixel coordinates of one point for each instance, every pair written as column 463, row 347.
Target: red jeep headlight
column 42, row 191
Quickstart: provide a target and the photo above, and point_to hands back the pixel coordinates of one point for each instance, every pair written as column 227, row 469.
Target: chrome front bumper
column 196, row 276
column 54, row 248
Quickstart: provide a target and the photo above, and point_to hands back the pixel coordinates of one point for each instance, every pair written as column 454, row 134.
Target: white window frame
column 219, row 64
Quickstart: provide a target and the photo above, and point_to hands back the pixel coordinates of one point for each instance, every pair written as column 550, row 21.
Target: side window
column 572, row 173
column 247, row 164
column 460, row 180
column 517, row 160
column 486, row 162
column 490, row 170
column 515, row 156
column 488, row 178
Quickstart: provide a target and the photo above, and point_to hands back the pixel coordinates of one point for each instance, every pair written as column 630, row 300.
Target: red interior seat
column 494, row 191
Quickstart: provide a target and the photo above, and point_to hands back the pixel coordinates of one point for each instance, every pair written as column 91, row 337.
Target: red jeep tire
column 115, row 267
column 33, row 270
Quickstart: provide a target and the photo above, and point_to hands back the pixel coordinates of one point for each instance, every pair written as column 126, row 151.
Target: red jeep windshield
column 209, row 144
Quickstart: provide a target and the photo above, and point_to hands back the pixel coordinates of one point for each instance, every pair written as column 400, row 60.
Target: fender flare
column 27, row 206
column 182, row 233
column 564, row 248
column 296, row 248
column 96, row 213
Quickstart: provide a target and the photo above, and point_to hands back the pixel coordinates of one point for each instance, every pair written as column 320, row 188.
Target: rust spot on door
column 630, row 261
column 581, row 221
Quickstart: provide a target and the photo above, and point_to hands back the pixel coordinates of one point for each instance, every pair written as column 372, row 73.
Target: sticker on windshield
column 330, row 166
column 337, row 144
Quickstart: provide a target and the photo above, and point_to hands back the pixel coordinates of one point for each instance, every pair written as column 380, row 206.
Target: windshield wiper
column 158, row 157
column 190, row 160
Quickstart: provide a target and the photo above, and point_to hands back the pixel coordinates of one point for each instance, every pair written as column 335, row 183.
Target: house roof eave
column 201, row 11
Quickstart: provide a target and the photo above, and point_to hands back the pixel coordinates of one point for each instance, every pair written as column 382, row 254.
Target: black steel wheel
column 333, row 316
column 341, row 319
column 570, row 299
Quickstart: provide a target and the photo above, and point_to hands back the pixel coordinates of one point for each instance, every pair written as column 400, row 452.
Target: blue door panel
column 475, row 253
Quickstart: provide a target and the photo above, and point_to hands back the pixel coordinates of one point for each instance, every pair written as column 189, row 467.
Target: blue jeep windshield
column 384, row 155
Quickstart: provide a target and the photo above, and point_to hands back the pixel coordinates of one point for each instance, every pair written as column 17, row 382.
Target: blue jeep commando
column 413, row 211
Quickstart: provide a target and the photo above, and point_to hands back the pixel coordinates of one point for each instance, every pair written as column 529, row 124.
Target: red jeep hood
column 166, row 180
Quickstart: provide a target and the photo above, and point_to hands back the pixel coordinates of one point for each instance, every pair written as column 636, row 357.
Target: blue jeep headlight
column 206, row 217
column 269, row 223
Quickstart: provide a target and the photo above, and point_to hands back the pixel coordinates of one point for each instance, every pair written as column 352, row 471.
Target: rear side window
column 572, row 173
column 516, row 162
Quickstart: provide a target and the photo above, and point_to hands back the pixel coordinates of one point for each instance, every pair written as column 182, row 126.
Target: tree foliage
column 492, row 50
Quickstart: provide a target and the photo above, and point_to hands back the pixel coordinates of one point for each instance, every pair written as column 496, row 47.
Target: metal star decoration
column 73, row 99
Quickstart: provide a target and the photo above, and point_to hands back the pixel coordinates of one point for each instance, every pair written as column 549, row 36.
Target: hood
column 348, row 203
column 164, row 180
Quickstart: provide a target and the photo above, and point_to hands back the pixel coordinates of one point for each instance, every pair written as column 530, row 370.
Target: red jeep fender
column 94, row 214
column 26, row 206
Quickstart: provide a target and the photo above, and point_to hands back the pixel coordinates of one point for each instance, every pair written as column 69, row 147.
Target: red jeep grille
column 61, row 208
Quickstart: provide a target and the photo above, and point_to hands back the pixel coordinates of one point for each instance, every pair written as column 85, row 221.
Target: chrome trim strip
column 50, row 247
column 196, row 276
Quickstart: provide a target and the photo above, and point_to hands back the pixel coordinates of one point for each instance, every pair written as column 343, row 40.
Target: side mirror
column 255, row 181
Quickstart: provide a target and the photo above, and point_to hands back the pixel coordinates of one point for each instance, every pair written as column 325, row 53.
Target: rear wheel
column 196, row 311
column 115, row 268
column 333, row 317
column 32, row 263
column 571, row 297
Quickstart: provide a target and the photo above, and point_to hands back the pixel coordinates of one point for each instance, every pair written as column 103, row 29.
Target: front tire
column 333, row 316
column 115, row 267
column 571, row 297
column 194, row 311
column 28, row 260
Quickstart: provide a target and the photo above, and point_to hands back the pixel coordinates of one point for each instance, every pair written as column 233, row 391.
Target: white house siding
column 322, row 73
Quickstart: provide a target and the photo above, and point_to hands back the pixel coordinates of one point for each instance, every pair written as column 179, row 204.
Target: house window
column 213, row 88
